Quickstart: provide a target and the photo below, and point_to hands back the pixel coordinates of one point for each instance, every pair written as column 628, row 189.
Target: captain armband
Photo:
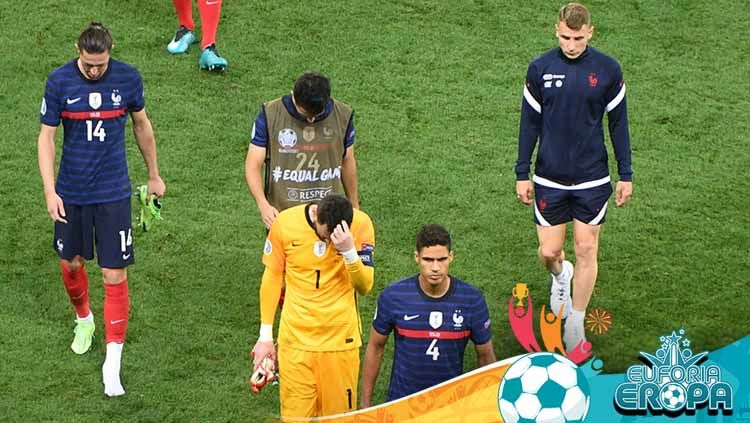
column 366, row 255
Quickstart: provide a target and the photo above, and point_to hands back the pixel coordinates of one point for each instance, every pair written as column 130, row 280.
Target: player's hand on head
column 342, row 238
column 156, row 186
column 268, row 214
column 623, row 192
column 524, row 190
column 55, row 207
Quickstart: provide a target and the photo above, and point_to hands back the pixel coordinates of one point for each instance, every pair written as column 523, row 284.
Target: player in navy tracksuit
column 434, row 315
column 567, row 91
column 90, row 202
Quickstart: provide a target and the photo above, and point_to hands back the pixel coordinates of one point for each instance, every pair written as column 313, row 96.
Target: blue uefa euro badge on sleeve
column 366, row 255
column 673, row 381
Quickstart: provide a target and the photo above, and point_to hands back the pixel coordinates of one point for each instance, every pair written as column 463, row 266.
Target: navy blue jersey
column 431, row 333
column 259, row 135
column 93, row 167
column 563, row 106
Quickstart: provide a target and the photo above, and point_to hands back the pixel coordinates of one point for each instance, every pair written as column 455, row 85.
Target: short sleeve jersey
column 431, row 334
column 93, row 166
column 320, row 305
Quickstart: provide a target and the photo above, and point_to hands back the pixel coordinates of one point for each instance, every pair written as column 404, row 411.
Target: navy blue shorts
column 554, row 206
column 107, row 226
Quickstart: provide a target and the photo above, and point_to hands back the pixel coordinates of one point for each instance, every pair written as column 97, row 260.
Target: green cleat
column 84, row 333
column 150, row 208
column 211, row 60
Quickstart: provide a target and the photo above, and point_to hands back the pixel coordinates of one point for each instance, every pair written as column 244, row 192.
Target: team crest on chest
column 593, row 80
column 319, row 248
column 95, row 100
column 436, row 319
column 308, row 134
column 458, row 319
column 116, row 98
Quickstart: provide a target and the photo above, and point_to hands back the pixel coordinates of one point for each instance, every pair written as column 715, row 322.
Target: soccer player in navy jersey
column 89, row 203
column 434, row 315
column 568, row 90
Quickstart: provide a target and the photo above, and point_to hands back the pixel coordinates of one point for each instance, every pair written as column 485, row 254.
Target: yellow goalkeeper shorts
column 314, row 384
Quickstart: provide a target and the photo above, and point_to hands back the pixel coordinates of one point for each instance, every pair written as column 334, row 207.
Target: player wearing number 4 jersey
column 90, row 202
column 326, row 252
column 433, row 315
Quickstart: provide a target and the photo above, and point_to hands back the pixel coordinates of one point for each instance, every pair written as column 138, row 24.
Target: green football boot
column 84, row 333
column 150, row 209
column 211, row 60
column 181, row 41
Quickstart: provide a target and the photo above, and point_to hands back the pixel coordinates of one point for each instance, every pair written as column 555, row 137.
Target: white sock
column 576, row 316
column 89, row 318
column 111, row 370
column 114, row 352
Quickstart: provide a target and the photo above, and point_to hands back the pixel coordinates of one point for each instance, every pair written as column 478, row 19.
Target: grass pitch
column 436, row 88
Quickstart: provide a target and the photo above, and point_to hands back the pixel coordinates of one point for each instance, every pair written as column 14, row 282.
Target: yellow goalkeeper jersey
column 320, row 305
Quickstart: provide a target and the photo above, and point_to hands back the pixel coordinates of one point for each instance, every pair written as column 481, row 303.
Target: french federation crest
column 436, row 319
column 116, row 98
column 95, row 100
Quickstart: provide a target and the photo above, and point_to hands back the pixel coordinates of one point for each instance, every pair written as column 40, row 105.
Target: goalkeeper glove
column 262, row 375
column 150, row 208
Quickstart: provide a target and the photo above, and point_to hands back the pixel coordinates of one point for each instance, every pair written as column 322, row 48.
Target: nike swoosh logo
column 73, row 100
column 407, row 317
column 125, row 256
column 114, row 322
column 296, row 244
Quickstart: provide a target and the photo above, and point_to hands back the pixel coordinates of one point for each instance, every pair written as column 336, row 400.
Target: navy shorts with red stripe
column 106, row 226
column 554, row 206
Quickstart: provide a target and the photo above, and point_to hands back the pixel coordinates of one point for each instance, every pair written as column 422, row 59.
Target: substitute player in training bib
column 324, row 251
column 433, row 315
column 567, row 91
column 306, row 141
column 92, row 97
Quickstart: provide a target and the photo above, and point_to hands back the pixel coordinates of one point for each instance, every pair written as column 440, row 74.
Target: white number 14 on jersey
column 95, row 131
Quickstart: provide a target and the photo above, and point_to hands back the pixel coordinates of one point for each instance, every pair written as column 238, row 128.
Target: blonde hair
column 575, row 16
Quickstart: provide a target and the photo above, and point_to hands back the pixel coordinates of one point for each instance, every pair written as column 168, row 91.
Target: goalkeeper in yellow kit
column 325, row 252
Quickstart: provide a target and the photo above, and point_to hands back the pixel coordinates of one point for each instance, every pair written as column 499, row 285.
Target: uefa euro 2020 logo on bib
column 673, row 382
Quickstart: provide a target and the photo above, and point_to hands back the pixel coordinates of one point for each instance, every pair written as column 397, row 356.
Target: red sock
column 77, row 285
column 210, row 12
column 184, row 10
column 116, row 309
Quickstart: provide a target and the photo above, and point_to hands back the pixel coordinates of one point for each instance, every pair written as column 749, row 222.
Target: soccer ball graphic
column 673, row 396
column 544, row 388
column 287, row 138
